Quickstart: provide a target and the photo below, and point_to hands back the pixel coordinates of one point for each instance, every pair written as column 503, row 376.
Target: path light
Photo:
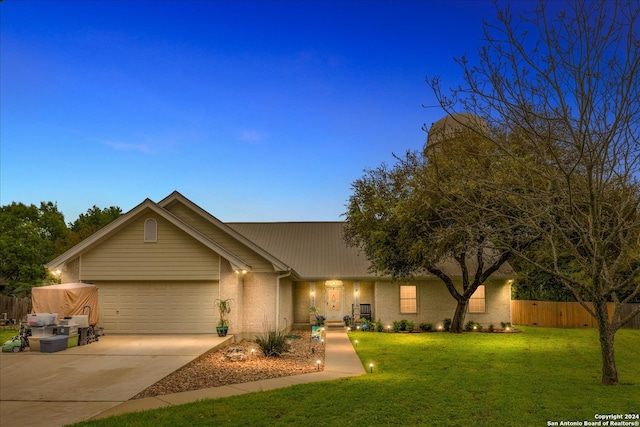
column 318, row 363
column 322, row 341
column 439, row 327
column 388, row 328
column 356, row 343
column 349, row 329
column 475, row 327
column 358, row 327
column 253, row 352
column 371, row 367
column 507, row 328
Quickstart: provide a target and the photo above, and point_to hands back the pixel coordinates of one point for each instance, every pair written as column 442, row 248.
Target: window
column 408, row 299
column 150, row 230
column 477, row 301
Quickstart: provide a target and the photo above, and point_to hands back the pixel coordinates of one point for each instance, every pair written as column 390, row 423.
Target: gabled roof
column 310, row 250
column 174, row 197
column 122, row 221
column 315, row 250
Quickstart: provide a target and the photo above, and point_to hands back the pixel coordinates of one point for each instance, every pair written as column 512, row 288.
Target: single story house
column 160, row 267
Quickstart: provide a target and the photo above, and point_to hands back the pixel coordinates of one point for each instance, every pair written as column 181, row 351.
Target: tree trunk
column 457, row 323
column 607, row 336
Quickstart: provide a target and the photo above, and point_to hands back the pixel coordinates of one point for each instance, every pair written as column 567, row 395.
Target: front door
column 334, row 304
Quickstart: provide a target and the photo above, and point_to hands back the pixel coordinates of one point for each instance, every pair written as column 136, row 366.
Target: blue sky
column 255, row 110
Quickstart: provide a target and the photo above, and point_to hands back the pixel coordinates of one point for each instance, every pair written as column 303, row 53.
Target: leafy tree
column 408, row 219
column 29, row 237
column 93, row 220
column 567, row 85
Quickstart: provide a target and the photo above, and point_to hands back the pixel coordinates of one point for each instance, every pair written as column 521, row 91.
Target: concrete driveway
column 56, row 389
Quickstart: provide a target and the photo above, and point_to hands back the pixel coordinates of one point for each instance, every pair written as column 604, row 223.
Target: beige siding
column 125, row 256
column 257, row 262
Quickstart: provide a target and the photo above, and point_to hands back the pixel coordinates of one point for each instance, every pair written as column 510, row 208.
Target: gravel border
column 218, row 368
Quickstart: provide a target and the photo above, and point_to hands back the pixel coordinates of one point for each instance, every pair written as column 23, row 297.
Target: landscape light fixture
column 371, row 367
column 356, row 343
column 318, row 363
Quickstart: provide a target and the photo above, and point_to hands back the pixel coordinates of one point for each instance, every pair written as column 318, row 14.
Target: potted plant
column 224, row 307
column 312, row 315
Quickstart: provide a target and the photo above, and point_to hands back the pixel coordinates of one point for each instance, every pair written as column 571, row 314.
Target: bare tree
column 561, row 94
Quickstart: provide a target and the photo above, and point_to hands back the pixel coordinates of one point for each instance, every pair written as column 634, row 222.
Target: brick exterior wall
column 71, row 274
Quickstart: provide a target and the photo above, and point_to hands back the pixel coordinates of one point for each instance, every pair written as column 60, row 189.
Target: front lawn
column 479, row 379
column 7, row 334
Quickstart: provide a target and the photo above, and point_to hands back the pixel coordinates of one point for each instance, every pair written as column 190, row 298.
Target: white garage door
column 157, row 308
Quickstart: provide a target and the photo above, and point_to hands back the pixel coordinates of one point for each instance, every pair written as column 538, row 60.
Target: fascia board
column 123, row 220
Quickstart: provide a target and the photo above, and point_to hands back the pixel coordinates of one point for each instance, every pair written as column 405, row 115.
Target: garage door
column 157, row 308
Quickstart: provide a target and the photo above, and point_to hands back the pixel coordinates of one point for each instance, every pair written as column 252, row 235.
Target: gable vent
column 150, row 230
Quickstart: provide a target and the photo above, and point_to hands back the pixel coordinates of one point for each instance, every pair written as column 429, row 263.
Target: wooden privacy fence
column 16, row 308
column 555, row 314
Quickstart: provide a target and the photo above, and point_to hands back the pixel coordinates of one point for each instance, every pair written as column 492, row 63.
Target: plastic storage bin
column 82, row 320
column 42, row 319
column 68, row 330
column 34, row 343
column 42, row 331
column 54, row 343
column 72, row 340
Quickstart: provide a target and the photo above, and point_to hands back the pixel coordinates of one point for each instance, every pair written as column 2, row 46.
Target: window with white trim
column 150, row 230
column 477, row 302
column 408, row 299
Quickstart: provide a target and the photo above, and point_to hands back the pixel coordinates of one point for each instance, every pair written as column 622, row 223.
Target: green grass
column 7, row 334
column 428, row 379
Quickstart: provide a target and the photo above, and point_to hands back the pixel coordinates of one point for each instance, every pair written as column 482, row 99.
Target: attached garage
column 138, row 307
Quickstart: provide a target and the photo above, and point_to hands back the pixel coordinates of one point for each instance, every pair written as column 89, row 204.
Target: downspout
column 282, row 276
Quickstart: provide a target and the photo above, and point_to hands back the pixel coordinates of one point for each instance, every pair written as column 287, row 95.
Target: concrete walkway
column 340, row 361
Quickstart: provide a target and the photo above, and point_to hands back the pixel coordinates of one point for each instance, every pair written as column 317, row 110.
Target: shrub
column 410, row 326
column 447, row 324
column 491, row 327
column 403, row 325
column 472, row 326
column 272, row 343
column 347, row 320
column 396, row 326
column 426, row 327
column 379, row 326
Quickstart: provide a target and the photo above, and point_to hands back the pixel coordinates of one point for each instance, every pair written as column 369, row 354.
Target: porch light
column 371, row 367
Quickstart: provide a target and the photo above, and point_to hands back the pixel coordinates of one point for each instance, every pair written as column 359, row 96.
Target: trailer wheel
column 16, row 349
